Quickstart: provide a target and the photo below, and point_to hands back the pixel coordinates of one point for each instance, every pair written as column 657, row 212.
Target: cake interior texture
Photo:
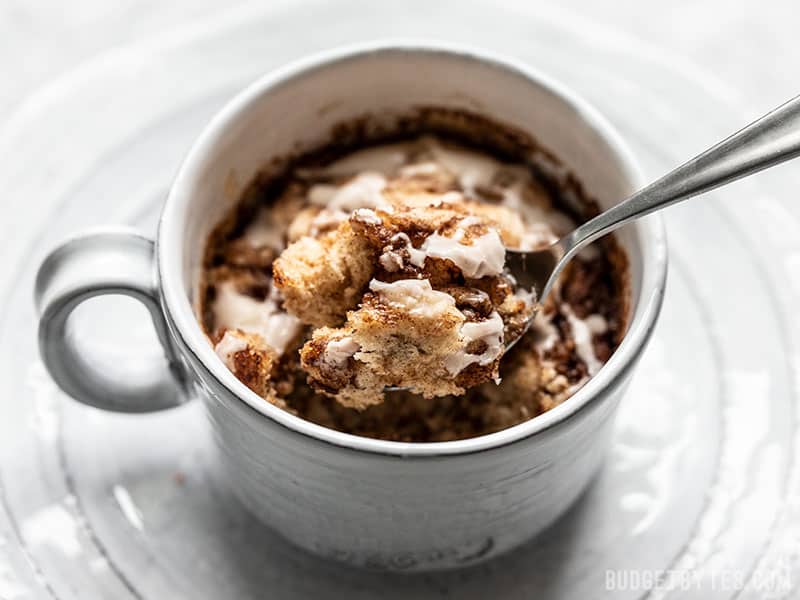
column 378, row 261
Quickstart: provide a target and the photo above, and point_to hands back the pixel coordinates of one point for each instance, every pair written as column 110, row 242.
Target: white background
column 747, row 52
column 751, row 46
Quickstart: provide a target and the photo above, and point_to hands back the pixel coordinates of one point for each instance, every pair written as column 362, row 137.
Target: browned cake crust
column 334, row 335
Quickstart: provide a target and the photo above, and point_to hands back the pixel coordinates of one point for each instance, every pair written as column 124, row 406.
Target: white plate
column 702, row 477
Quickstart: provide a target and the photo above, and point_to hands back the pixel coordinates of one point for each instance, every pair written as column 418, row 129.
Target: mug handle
column 109, row 261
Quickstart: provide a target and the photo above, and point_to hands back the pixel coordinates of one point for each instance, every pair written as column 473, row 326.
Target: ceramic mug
column 375, row 503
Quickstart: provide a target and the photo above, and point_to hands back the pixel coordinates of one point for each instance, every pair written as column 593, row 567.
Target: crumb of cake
column 322, row 278
column 583, row 332
column 527, row 375
column 249, row 358
column 402, row 335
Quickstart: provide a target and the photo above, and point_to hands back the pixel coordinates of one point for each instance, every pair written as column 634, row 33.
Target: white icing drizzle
column 415, row 256
column 472, row 169
column 327, row 219
column 367, row 215
column 362, row 191
column 582, row 336
column 485, row 256
column 548, row 333
column 338, row 351
column 391, row 261
column 233, row 310
column 490, row 332
column 228, row 346
column 321, row 194
column 451, row 197
column 385, row 159
column 597, row 324
column 280, row 329
column 414, row 296
column 421, row 168
column 262, row 231
column 543, row 226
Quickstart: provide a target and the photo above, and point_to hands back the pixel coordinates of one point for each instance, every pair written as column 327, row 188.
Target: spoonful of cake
column 419, row 285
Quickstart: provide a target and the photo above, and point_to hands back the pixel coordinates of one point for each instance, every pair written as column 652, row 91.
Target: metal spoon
column 772, row 139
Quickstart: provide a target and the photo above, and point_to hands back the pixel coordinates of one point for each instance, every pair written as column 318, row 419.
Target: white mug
column 370, row 502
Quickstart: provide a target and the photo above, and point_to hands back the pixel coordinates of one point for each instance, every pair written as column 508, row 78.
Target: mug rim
column 193, row 339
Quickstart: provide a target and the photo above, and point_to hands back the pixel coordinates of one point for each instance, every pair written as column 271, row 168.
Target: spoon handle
column 770, row 140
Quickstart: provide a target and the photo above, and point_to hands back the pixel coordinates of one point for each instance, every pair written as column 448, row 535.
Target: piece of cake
column 439, row 309
column 251, row 360
column 403, row 334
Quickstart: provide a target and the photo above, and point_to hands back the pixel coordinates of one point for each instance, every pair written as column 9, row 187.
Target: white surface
column 749, row 45
column 703, row 475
